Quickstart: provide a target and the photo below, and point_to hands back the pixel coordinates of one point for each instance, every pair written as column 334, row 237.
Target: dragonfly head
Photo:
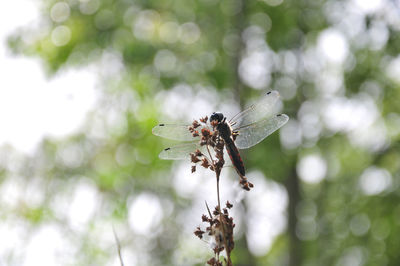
column 216, row 116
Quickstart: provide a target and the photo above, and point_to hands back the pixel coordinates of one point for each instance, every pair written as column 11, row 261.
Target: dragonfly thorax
column 223, row 126
column 216, row 116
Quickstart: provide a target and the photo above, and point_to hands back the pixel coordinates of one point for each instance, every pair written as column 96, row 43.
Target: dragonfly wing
column 174, row 132
column 254, row 133
column 262, row 109
column 179, row 152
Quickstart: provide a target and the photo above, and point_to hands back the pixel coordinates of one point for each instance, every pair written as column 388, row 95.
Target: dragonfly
column 242, row 131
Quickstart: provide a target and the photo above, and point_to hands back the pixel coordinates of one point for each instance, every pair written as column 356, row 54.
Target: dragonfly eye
column 216, row 116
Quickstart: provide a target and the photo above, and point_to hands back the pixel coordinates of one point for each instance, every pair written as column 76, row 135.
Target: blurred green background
column 326, row 185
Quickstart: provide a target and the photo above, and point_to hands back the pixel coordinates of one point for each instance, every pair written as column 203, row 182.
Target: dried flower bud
column 206, row 132
column 205, row 163
column 198, row 153
column 194, row 158
column 195, row 134
column 228, row 205
column 193, row 168
column 199, row 233
column 212, row 261
column 195, row 124
column 204, row 119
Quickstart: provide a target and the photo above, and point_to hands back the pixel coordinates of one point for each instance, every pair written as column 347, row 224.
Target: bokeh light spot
column 353, row 256
column 145, row 24
column 312, row 168
column 70, row 155
column 393, row 70
column 189, row 33
column 165, row 61
column 89, row 7
column 368, row 6
column 262, row 20
column 169, row 32
column 46, row 245
column 254, row 70
column 291, row 134
column 83, row 204
column 360, row 224
column 375, row 180
column 266, row 213
column 333, row 46
column 145, row 213
column 61, row 35
column 60, row 12
column 273, row 2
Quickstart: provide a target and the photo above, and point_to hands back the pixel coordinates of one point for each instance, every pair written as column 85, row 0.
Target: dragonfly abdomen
column 234, row 155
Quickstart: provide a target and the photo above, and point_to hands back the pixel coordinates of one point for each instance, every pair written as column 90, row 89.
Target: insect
column 243, row 131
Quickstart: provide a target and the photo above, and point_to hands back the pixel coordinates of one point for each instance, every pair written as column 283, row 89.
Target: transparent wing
column 254, row 133
column 262, row 109
column 183, row 151
column 174, row 132
column 179, row 152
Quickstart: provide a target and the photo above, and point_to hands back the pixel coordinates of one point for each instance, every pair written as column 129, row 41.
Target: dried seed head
column 198, row 153
column 195, row 124
column 216, row 211
column 194, row 158
column 228, row 205
column 193, row 168
column 214, row 123
column 205, row 163
column 206, row 132
column 212, row 261
column 204, row 119
column 221, row 230
column 199, row 233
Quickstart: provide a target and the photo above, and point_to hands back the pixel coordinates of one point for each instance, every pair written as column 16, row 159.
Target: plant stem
column 222, row 223
column 220, row 211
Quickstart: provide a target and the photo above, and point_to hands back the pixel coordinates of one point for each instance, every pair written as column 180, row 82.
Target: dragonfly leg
column 235, row 133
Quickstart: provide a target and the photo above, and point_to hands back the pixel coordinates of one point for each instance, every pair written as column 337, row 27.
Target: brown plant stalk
column 221, row 224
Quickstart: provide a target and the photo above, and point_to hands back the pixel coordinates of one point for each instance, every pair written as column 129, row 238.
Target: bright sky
column 32, row 106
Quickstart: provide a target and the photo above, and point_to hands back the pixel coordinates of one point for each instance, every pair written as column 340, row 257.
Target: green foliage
column 159, row 45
